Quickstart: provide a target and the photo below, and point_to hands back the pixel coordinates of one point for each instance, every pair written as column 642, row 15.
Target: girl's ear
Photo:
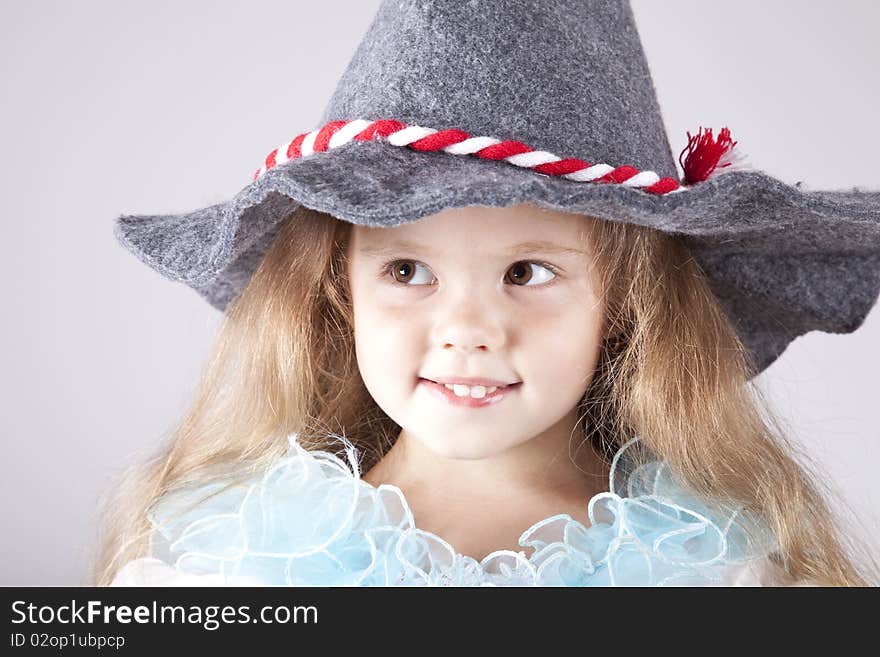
column 212, row 246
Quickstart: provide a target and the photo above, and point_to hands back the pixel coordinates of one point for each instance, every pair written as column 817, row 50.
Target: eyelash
column 388, row 266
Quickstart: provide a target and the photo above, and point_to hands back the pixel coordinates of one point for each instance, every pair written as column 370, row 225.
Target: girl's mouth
column 483, row 396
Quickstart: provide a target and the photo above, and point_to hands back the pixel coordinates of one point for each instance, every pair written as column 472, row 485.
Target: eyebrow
column 537, row 246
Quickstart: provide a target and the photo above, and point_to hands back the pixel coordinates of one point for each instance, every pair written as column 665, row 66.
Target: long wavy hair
column 672, row 371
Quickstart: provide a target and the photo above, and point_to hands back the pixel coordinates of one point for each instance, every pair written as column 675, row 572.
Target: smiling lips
column 469, row 381
column 474, row 396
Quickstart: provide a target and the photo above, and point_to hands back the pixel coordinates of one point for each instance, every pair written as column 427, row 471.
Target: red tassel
column 704, row 154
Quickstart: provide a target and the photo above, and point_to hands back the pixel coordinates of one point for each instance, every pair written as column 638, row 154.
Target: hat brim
column 782, row 261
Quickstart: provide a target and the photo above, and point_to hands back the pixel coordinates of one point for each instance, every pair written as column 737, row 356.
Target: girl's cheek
column 393, row 303
column 386, row 315
column 404, row 298
column 550, row 307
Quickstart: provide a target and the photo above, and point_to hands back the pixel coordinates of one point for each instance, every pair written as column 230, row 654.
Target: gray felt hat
column 549, row 102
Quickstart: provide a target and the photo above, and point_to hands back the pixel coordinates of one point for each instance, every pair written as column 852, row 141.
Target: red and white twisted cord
column 458, row 142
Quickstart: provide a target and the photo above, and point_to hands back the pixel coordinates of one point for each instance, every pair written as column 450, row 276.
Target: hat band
column 458, row 142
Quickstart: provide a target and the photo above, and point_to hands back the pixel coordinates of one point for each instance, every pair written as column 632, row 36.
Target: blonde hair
column 672, row 371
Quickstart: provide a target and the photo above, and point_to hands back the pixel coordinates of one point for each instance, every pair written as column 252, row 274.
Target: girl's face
column 499, row 293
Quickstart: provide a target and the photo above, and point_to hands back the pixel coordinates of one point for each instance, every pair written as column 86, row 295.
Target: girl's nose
column 470, row 326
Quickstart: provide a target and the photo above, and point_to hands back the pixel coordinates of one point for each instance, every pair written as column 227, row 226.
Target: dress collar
column 310, row 520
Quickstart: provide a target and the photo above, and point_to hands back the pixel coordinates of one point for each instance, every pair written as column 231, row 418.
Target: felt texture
column 567, row 76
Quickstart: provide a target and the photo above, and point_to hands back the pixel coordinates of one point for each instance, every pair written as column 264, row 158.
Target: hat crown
column 565, row 76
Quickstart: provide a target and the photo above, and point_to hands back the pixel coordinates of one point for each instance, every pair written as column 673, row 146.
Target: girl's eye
column 404, row 272
column 521, row 272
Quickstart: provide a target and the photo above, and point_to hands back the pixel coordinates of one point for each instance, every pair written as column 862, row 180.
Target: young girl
column 439, row 369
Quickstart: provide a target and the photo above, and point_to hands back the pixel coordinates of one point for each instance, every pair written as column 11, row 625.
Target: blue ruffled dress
column 310, row 520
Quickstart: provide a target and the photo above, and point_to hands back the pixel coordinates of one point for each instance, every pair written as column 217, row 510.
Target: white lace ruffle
column 310, row 520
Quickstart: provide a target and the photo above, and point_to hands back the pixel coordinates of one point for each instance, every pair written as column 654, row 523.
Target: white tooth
column 449, row 385
column 461, row 390
column 491, row 389
column 478, row 392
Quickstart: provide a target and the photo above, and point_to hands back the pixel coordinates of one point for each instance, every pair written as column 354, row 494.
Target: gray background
column 123, row 107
